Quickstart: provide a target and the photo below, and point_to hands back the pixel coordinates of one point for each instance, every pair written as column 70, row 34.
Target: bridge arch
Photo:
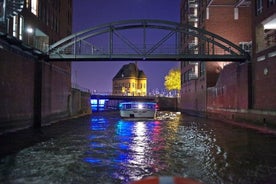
column 170, row 47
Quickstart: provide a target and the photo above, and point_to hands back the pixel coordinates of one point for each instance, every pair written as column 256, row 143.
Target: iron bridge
column 155, row 40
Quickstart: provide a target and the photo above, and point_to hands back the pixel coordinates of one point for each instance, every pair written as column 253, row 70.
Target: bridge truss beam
column 116, row 41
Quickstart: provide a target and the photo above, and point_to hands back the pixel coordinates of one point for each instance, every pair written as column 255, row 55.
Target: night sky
column 88, row 13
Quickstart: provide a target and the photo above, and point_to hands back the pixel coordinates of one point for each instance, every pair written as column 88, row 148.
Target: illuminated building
column 230, row 19
column 130, row 81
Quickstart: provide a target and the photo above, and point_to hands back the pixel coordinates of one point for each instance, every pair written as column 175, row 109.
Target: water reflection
column 107, row 149
column 143, row 148
column 171, row 147
column 129, row 149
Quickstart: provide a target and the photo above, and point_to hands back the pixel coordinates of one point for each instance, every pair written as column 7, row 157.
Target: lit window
column 236, row 13
column 21, row 23
column 266, row 33
column 14, row 26
column 27, row 3
column 34, row 7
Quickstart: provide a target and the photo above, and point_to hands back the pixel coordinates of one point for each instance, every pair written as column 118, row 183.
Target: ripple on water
column 120, row 151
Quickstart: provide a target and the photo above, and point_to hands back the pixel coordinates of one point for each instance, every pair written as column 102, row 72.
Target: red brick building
column 37, row 25
column 236, row 91
column 224, row 18
column 264, row 55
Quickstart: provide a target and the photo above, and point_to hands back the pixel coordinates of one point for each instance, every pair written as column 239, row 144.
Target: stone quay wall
column 35, row 93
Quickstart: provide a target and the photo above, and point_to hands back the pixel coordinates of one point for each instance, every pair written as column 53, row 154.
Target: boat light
column 140, row 106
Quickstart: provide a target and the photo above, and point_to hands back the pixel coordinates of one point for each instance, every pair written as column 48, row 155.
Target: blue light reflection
column 127, row 152
column 98, row 123
column 92, row 160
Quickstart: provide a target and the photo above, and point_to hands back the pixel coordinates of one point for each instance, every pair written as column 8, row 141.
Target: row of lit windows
column 18, row 21
column 127, row 85
column 259, row 7
column 44, row 14
column 47, row 13
column 33, row 4
column 192, row 73
column 265, row 31
column 130, row 93
column 17, row 27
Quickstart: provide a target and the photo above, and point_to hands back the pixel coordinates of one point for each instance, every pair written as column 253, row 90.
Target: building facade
column 33, row 90
column 264, row 55
column 229, row 90
column 40, row 23
column 130, row 81
column 197, row 77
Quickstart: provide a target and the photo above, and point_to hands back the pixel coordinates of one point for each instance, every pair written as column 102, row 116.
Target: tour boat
column 138, row 109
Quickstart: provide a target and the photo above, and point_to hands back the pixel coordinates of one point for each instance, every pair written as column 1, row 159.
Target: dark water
column 106, row 149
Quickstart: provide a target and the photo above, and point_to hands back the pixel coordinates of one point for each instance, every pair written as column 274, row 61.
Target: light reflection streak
column 98, row 124
column 131, row 153
column 139, row 143
column 134, row 137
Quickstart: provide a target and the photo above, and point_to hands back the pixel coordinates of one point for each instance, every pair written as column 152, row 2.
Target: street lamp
column 30, row 32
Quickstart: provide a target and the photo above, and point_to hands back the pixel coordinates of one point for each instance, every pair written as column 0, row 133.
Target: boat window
column 150, row 106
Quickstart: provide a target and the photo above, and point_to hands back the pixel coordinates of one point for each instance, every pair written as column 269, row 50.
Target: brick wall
column 16, row 90
column 221, row 22
column 264, row 89
column 193, row 95
column 56, row 89
column 231, row 90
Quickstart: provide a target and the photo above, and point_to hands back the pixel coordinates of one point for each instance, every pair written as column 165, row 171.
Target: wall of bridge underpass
column 34, row 93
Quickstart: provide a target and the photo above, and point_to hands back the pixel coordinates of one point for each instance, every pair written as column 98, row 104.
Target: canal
column 103, row 148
